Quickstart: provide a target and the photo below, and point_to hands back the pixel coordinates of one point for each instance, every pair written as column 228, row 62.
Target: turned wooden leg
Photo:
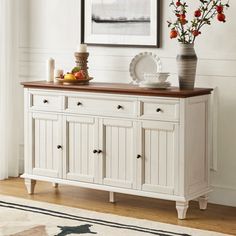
column 55, row 185
column 30, row 185
column 111, row 197
column 203, row 200
column 182, row 208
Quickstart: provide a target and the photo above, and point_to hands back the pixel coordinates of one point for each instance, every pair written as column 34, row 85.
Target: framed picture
column 121, row 22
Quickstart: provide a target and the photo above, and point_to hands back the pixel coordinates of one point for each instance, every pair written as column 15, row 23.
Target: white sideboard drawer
column 109, row 106
column 45, row 101
column 167, row 110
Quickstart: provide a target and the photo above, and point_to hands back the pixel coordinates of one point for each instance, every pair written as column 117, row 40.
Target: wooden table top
column 119, row 88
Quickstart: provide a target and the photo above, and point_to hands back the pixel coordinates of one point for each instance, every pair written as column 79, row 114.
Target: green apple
column 75, row 69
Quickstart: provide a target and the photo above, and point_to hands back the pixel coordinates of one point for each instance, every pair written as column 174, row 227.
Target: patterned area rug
column 20, row 217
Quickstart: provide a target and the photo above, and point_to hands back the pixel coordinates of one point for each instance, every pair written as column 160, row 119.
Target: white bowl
column 162, row 78
column 150, row 76
column 159, row 76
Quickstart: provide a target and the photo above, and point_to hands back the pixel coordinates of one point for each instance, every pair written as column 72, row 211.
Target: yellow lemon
column 69, row 77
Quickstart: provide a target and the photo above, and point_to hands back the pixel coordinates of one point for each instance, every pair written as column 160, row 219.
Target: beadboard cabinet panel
column 117, row 139
column 159, row 141
column 80, row 135
column 45, row 130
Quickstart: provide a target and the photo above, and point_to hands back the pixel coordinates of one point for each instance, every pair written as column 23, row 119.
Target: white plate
column 154, row 85
column 145, row 62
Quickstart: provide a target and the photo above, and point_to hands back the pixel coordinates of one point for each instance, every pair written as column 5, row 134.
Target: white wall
column 52, row 29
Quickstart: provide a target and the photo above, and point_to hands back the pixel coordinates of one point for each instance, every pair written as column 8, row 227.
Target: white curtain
column 9, row 102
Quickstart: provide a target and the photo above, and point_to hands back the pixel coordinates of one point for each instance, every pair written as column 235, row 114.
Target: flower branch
column 187, row 31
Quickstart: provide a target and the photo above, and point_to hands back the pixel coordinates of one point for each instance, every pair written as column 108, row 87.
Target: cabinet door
column 157, row 167
column 80, row 136
column 117, row 157
column 45, row 149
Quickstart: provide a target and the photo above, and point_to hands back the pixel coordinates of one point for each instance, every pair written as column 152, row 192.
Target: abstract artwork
column 120, row 22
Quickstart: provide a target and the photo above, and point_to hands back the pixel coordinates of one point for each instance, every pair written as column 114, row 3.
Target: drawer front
column 166, row 110
column 109, row 106
column 46, row 101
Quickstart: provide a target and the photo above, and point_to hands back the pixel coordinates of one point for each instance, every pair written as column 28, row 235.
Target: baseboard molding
column 223, row 195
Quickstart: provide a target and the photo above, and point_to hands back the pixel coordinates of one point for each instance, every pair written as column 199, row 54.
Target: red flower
column 178, row 3
column 173, row 34
column 221, row 17
column 182, row 19
column 197, row 13
column 219, row 8
column 196, row 33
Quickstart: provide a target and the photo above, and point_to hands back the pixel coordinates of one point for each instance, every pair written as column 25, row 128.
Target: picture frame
column 112, row 23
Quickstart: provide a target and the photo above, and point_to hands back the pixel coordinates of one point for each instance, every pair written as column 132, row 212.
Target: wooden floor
column 216, row 218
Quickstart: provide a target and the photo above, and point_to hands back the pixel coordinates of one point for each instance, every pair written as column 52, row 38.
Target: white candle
column 82, row 48
column 50, row 66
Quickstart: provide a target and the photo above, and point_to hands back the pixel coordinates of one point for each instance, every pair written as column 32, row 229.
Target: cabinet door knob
column 59, row 147
column 95, row 151
column 159, row 110
column 79, row 104
column 45, row 101
column 119, row 107
column 99, row 151
column 139, row 156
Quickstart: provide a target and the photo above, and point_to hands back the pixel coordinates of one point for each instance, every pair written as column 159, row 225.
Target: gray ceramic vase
column 187, row 65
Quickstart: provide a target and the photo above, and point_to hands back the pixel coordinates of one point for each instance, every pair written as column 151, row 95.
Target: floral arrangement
column 185, row 30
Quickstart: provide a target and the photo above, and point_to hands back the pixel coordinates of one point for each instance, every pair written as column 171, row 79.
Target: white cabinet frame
column 159, row 145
